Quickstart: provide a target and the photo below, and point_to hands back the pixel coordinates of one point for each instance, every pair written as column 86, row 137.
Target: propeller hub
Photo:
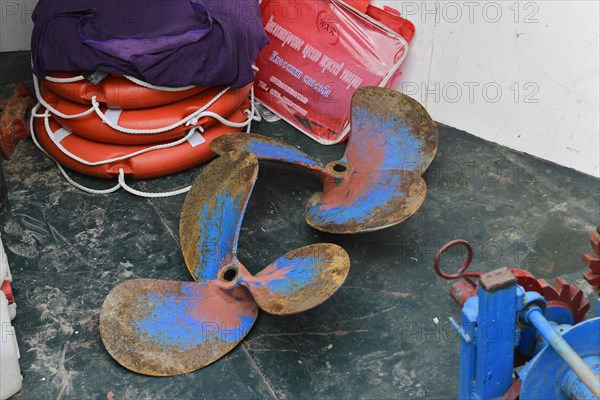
column 337, row 173
column 229, row 275
column 339, row 168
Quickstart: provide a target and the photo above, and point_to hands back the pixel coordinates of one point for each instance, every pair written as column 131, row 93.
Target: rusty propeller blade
column 367, row 202
column 298, row 281
column 390, row 131
column 378, row 182
column 163, row 328
column 212, row 213
column 265, row 148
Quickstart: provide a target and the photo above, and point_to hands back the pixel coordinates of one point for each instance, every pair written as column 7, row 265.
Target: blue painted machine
column 503, row 317
column 566, row 365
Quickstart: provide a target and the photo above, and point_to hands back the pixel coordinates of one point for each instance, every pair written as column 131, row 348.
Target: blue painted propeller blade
column 212, row 213
column 390, row 131
column 367, row 202
column 165, row 328
column 300, row 280
column 264, row 148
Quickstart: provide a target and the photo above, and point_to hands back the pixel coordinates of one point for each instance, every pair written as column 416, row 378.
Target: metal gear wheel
column 567, row 296
column 592, row 261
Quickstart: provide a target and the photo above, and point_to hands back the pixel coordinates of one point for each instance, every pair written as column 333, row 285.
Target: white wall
column 15, row 24
column 521, row 74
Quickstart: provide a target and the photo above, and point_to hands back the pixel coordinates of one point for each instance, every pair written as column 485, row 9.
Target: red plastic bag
column 360, row 5
column 320, row 52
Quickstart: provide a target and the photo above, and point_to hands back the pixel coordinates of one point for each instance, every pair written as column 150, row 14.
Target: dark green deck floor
column 375, row 339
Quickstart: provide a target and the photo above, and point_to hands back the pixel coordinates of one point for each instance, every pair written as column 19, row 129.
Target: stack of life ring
column 123, row 127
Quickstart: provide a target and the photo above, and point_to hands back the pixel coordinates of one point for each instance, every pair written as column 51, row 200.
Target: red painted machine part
column 7, row 289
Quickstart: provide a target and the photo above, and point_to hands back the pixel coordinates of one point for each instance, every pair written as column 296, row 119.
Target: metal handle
column 461, row 272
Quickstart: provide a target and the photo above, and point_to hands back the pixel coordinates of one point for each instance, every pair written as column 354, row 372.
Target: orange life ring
column 153, row 164
column 91, row 126
column 116, row 92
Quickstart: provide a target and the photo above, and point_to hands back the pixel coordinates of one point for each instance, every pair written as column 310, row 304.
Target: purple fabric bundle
column 163, row 42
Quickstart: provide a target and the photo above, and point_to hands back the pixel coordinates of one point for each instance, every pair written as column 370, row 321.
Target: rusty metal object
column 560, row 295
column 12, row 119
column 164, row 328
column 462, row 270
column 513, row 392
column 378, row 181
column 212, row 214
column 592, row 261
column 300, row 280
column 498, row 279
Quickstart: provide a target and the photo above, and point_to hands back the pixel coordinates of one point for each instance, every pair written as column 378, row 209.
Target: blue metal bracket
column 491, row 320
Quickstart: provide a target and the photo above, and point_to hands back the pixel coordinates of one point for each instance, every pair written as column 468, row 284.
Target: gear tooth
column 563, row 289
column 559, row 282
column 567, row 295
column 544, row 284
column 578, row 296
column 548, row 290
column 592, row 261
column 585, row 307
column 580, row 303
column 592, row 278
column 595, row 242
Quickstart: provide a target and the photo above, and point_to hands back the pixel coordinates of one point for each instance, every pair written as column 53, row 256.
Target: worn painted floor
column 384, row 335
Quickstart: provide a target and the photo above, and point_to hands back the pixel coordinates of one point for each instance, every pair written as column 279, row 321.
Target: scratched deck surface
column 375, row 339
